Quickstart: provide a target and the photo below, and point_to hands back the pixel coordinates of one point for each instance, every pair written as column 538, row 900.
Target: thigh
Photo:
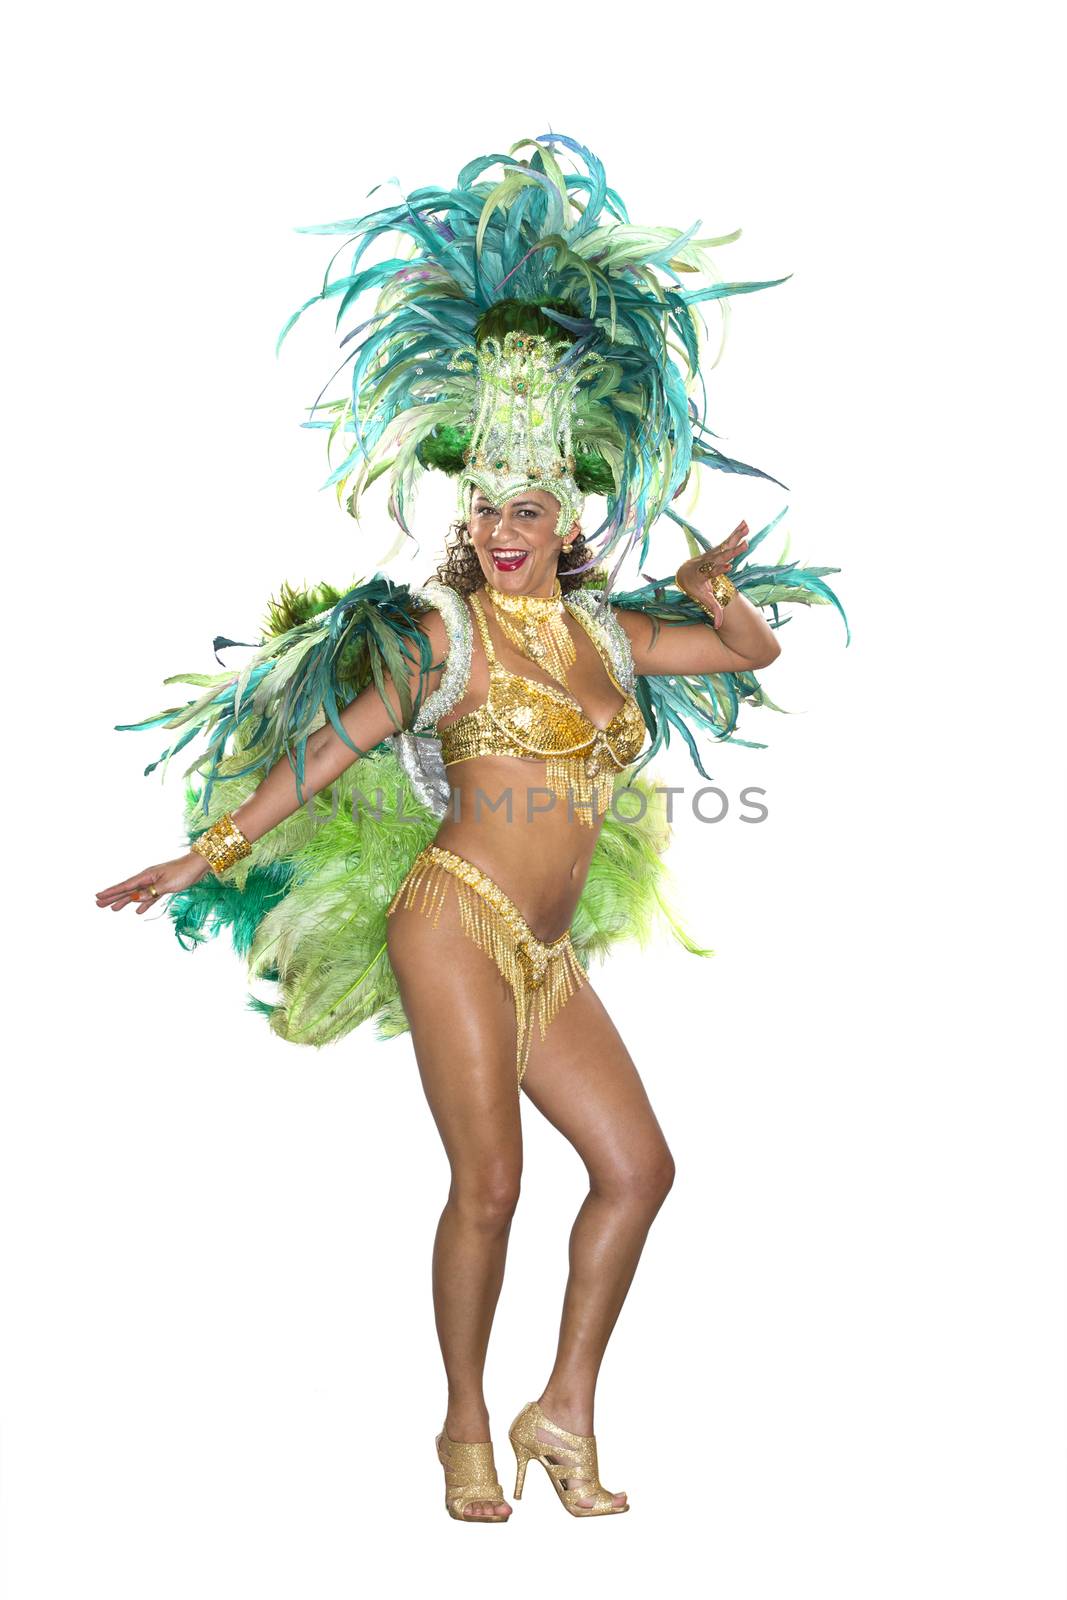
column 583, row 1079
column 462, row 1020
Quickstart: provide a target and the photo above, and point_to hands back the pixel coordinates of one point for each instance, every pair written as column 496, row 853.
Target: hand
column 695, row 576
column 167, row 878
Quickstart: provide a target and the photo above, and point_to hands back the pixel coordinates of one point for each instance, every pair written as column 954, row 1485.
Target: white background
column 840, row 1367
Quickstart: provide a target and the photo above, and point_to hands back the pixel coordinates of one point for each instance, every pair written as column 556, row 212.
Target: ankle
column 570, row 1407
column 466, row 1421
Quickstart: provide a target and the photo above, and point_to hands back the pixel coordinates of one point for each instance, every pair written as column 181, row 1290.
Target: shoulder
column 630, row 622
column 441, row 608
column 442, row 614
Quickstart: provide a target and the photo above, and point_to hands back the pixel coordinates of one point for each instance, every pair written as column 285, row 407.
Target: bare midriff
column 536, row 849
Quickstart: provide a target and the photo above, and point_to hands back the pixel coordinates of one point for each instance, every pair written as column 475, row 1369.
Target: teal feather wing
column 304, row 673
column 695, row 706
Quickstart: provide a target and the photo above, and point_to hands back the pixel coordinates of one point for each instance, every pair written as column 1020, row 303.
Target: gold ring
column 153, row 891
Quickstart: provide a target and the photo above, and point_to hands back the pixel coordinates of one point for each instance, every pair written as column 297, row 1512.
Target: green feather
column 310, row 914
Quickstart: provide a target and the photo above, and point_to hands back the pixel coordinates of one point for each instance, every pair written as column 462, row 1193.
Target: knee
column 488, row 1196
column 642, row 1184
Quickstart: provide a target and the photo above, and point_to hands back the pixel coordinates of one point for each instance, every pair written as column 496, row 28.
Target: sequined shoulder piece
column 457, row 669
column 598, row 616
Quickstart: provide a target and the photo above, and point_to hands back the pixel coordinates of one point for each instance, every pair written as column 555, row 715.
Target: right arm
column 365, row 720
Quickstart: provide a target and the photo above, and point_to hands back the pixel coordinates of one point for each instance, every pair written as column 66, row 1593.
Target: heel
column 522, row 1460
column 571, row 1463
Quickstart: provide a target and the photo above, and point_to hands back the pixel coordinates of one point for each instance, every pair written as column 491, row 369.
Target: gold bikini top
column 540, row 723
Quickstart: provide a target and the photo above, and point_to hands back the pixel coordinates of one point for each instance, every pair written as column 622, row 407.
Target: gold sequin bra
column 537, row 722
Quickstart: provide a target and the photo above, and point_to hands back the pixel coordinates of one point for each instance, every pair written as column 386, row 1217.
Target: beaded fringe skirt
column 542, row 977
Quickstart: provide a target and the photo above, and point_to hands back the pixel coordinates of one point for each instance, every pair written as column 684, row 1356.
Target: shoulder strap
column 483, row 628
column 590, row 608
column 457, row 671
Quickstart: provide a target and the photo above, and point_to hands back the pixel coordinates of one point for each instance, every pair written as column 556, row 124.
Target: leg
column 583, row 1079
column 463, row 1029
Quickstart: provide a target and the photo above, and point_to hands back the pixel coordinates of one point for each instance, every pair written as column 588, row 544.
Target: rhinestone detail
column 457, row 668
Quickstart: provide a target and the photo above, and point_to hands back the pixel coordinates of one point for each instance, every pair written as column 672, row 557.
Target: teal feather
column 535, row 234
column 697, row 706
column 206, row 908
column 293, row 680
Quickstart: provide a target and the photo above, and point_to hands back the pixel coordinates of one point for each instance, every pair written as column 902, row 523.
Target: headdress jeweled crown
column 522, row 436
column 533, row 251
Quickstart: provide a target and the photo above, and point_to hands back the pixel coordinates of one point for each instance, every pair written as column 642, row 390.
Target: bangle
column 222, row 845
column 721, row 587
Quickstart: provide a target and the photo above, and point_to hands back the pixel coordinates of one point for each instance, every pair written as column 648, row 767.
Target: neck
column 546, row 594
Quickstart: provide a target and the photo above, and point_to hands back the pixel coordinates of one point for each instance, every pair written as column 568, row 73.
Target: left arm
column 735, row 639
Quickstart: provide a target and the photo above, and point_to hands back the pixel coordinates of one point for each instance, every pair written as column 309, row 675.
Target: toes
column 620, row 1499
column 487, row 1508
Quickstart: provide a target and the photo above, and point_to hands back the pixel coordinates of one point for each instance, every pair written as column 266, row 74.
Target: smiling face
column 517, row 545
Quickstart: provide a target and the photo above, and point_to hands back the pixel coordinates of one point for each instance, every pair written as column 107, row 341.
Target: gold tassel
column 539, row 630
column 589, row 780
column 541, row 977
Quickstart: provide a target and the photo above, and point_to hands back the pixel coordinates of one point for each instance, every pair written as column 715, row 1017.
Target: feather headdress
column 539, row 250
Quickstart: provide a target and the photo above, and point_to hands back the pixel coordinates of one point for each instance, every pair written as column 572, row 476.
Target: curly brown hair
column 462, row 570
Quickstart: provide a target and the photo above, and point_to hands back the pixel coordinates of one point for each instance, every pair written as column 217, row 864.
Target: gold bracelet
column 721, row 587
column 222, row 845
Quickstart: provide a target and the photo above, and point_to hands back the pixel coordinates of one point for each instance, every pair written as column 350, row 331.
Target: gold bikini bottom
column 542, row 977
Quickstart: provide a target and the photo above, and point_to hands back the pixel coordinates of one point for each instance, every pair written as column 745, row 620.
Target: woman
column 534, row 695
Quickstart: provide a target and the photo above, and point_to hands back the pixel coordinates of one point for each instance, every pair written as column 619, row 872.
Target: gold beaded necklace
column 537, row 628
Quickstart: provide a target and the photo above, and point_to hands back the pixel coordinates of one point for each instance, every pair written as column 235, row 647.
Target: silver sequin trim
column 420, row 756
column 457, row 669
column 610, row 630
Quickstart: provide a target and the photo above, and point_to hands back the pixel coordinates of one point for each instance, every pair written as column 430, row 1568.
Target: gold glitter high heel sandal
column 470, row 1474
column 571, row 1463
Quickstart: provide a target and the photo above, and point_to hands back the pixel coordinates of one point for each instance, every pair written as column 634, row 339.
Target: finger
column 133, row 897
column 125, row 885
column 105, row 896
column 717, row 611
column 138, row 881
